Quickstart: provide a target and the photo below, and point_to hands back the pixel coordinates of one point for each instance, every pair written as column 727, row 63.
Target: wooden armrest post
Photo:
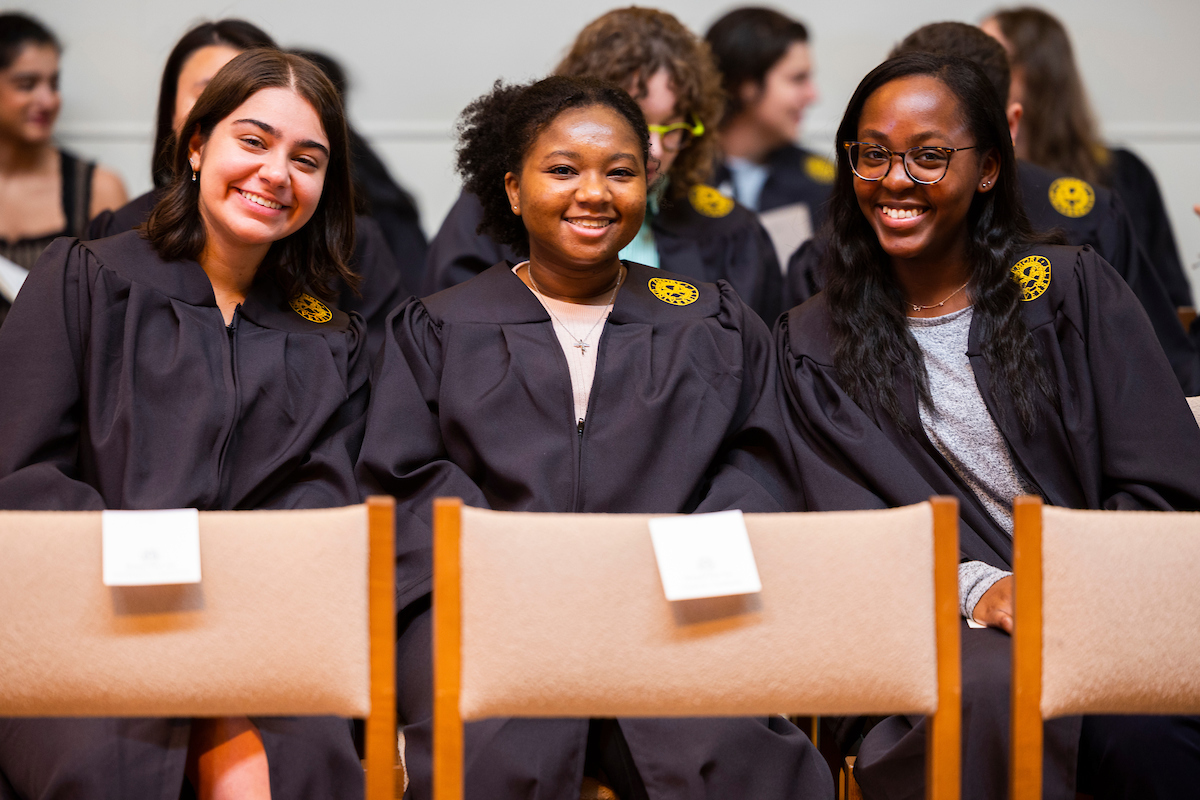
column 447, row 653
column 1025, row 762
column 381, row 724
column 943, row 760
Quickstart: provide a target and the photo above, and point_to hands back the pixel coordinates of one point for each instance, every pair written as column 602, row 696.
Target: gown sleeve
column 403, row 453
column 1149, row 439
column 41, row 359
column 752, row 472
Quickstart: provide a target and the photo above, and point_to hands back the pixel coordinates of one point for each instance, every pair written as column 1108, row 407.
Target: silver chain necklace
column 914, row 306
column 581, row 344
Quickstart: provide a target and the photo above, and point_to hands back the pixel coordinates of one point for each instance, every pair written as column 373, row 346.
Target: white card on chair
column 704, row 555
column 151, row 548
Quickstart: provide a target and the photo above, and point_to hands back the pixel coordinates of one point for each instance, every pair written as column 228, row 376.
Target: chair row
column 858, row 614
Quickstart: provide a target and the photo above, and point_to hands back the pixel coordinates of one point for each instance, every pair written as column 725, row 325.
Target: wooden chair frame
column 380, row 762
column 943, row 756
column 1025, row 762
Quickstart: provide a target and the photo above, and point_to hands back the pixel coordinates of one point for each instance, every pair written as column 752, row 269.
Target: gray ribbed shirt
column 961, row 428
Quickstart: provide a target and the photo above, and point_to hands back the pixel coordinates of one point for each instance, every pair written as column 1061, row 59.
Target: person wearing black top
column 766, row 68
column 690, row 228
column 47, row 191
column 955, row 351
column 197, row 365
column 570, row 380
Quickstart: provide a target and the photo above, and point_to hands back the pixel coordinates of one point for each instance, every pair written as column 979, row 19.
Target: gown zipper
column 231, row 331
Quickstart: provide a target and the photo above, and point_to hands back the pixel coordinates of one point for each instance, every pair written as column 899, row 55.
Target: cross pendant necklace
column 581, row 345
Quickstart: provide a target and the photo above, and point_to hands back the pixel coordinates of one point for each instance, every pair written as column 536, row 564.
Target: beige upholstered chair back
column 278, row 625
column 1194, row 403
column 564, row 615
column 1105, row 619
column 1119, row 593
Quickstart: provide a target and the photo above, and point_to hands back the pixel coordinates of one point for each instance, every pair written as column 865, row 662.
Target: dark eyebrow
column 270, row 131
column 920, row 137
column 573, row 154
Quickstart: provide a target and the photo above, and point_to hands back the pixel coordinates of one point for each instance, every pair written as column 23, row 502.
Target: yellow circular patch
column 1032, row 274
column 1072, row 197
column 311, row 308
column 709, row 202
column 677, row 293
column 820, row 169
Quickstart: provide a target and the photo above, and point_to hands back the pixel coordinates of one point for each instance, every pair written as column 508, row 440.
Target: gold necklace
column 580, row 344
column 914, row 306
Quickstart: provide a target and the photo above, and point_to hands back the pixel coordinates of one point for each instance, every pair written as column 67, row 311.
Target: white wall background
column 415, row 65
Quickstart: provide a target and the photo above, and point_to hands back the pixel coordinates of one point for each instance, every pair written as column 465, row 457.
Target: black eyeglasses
column 924, row 165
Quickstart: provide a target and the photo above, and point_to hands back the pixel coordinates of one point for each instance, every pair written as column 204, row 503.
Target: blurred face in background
column 777, row 106
column 29, row 96
column 197, row 71
column 659, row 107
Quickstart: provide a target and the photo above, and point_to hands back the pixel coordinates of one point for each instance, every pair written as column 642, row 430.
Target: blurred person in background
column 767, row 68
column 45, row 191
column 1059, row 131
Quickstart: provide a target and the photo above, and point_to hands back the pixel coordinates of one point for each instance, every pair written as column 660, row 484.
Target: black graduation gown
column 472, row 398
column 124, row 389
column 1101, row 222
column 1124, row 439
column 382, row 286
column 1129, row 177
column 723, row 242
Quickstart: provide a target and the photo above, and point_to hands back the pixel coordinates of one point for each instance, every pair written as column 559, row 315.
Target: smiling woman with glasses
column 923, row 164
column 955, row 352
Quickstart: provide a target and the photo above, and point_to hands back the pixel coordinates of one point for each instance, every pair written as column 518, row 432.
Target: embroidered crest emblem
column 677, row 293
column 1032, row 274
column 311, row 308
column 820, row 169
column 1072, row 197
column 709, row 202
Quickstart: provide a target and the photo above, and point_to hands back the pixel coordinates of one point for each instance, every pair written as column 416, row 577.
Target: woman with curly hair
column 1058, row 131
column 955, row 352
column 569, row 380
column 690, row 227
column 194, row 366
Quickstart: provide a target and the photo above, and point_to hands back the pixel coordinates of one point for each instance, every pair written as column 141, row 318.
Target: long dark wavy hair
column 235, row 33
column 496, row 131
column 313, row 258
column 871, row 341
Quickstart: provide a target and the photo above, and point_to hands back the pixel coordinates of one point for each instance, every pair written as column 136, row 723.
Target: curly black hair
column 867, row 306
column 496, row 131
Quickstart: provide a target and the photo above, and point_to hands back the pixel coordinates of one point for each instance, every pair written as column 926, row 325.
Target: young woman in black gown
column 954, row 352
column 195, row 365
column 569, row 380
